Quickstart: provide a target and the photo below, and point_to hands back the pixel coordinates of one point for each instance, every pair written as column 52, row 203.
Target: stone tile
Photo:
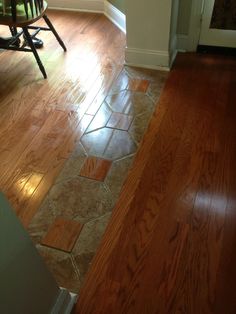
column 62, row 234
column 155, row 88
column 108, row 143
column 41, row 221
column 95, row 168
column 62, row 266
column 118, row 174
column 101, row 118
column 139, row 126
column 131, row 103
column 88, row 242
column 144, row 74
column 119, row 121
column 73, row 164
column 81, row 199
column 121, row 83
column 137, row 85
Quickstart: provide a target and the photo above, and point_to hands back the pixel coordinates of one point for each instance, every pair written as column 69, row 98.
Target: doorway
column 216, row 35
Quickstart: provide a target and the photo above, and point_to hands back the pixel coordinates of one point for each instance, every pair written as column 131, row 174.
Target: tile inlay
column 95, row 168
column 108, row 143
column 62, row 234
column 119, row 121
column 88, row 186
column 138, row 85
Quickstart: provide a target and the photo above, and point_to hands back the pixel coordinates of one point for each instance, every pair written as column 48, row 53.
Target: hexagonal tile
column 81, row 199
column 63, row 268
column 41, row 221
column 101, row 118
column 108, row 143
column 155, row 88
column 139, row 126
column 88, row 242
column 117, row 175
column 73, row 165
column 121, row 83
column 129, row 102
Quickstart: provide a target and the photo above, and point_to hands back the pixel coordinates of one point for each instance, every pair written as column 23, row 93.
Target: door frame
column 195, row 24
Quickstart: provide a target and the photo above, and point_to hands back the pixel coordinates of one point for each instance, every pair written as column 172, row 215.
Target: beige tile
column 139, row 126
column 119, row 121
column 118, row 174
column 137, row 85
column 88, row 242
column 108, row 143
column 100, row 119
column 73, row 165
column 63, row 268
column 131, row 103
column 81, row 199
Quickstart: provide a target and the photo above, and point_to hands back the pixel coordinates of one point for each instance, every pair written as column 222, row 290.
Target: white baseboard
column 78, row 5
column 182, row 42
column 150, row 59
column 115, row 15
column 64, row 303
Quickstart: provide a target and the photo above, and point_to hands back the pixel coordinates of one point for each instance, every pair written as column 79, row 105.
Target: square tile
column 62, row 234
column 138, row 85
column 95, row 168
column 119, row 121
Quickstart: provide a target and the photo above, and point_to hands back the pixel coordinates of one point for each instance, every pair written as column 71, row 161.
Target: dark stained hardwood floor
column 170, row 246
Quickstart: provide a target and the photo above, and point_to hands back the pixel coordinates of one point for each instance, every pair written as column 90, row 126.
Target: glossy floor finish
column 42, row 120
column 69, row 225
column 68, row 142
column 170, row 246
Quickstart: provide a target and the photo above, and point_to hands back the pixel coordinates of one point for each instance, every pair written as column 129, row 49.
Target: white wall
column 148, row 33
column 184, row 16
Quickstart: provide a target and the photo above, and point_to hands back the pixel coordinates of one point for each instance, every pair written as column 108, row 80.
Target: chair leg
column 49, row 24
column 30, row 43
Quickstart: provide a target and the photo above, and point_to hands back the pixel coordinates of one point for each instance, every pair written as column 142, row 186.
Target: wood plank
column 62, row 234
column 41, row 120
column 170, row 244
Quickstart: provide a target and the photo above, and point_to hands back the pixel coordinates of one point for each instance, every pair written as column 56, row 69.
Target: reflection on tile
column 131, row 103
column 118, row 174
column 119, row 121
column 121, row 83
column 139, row 126
column 100, row 119
column 95, row 168
column 138, row 85
column 81, row 199
column 73, row 164
column 62, row 267
column 108, row 143
column 88, row 242
column 62, row 234
column 144, row 74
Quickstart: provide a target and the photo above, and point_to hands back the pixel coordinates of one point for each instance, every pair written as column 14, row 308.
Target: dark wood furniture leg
column 49, row 24
column 30, row 43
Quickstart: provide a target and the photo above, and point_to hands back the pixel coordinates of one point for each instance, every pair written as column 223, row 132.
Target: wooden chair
column 22, row 14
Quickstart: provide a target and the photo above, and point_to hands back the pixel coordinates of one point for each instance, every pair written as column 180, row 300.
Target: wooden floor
column 40, row 120
column 170, row 246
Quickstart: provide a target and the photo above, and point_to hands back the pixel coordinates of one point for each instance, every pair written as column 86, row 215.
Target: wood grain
column 95, row 168
column 170, row 244
column 62, row 234
column 41, row 120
